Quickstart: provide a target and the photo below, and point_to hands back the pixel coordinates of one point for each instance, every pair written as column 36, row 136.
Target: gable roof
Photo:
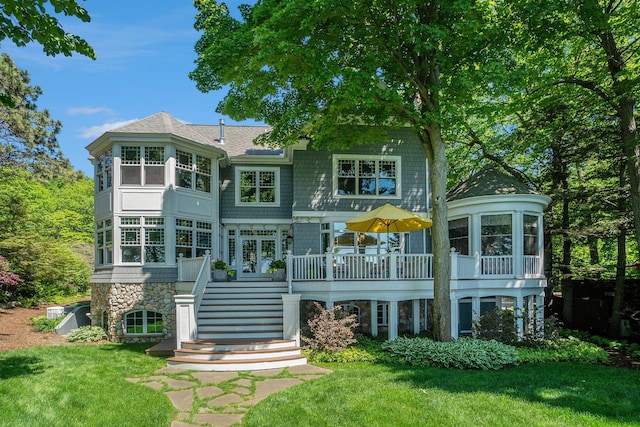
column 238, row 140
column 489, row 181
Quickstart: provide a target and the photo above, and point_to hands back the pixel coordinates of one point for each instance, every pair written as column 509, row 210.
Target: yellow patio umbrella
column 388, row 218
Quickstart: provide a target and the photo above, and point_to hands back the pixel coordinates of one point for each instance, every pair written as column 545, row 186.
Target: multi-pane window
column 257, row 186
column 459, row 235
column 496, row 235
column 142, row 165
column 104, row 171
column 143, row 322
column 530, row 232
column 366, row 176
column 142, row 239
column 383, row 314
column 193, row 171
column 104, row 242
column 192, row 240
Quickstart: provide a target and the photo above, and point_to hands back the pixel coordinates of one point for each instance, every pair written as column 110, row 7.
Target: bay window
column 142, row 165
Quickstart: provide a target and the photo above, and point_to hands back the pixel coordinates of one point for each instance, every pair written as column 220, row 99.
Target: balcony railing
column 351, row 267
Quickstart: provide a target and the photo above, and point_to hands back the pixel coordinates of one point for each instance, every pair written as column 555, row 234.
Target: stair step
column 223, row 314
column 230, row 365
column 234, row 327
column 245, row 321
column 238, row 355
column 269, row 335
column 243, row 295
column 245, row 301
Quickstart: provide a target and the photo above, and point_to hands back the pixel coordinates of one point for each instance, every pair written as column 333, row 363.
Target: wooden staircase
column 239, row 328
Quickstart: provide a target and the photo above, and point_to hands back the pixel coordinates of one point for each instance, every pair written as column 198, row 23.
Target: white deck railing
column 346, row 267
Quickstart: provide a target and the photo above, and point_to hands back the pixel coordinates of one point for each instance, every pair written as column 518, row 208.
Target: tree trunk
column 621, row 265
column 435, row 148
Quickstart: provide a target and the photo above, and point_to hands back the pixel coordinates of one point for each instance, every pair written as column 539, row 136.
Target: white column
column 454, row 318
column 540, row 315
column 531, row 313
column 416, row 316
column 291, row 317
column 475, row 310
column 393, row 320
column 374, row 317
column 186, row 326
column 518, row 244
column 519, row 312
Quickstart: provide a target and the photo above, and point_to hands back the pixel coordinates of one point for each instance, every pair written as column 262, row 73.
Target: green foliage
column 87, row 334
column 463, row 353
column 26, row 21
column 43, row 324
column 498, row 325
column 365, row 349
column 564, row 350
column 330, row 329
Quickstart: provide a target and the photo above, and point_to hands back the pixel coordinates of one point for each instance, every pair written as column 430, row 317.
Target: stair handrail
column 204, row 277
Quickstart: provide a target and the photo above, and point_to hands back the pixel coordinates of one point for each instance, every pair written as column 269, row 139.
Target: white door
column 257, row 254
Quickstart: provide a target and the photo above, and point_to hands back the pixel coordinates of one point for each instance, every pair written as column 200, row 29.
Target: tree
column 28, row 135
column 322, row 69
column 25, row 21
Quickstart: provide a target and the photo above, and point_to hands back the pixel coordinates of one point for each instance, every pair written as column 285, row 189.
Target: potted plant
column 221, row 271
column 277, row 269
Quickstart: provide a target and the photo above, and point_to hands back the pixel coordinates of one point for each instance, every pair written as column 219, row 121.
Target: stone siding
column 117, row 299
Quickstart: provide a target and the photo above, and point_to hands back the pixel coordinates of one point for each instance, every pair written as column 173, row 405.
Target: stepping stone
column 179, row 383
column 220, row 420
column 245, row 382
column 214, row 377
column 169, row 370
column 266, row 387
column 241, row 390
column 267, row 372
column 133, row 380
column 182, row 424
column 225, row 400
column 205, row 392
column 182, row 400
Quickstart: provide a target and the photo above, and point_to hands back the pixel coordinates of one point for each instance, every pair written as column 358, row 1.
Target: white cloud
column 96, row 131
column 89, row 110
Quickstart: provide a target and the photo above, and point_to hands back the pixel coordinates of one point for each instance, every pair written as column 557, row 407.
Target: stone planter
column 279, row 276
column 220, row 276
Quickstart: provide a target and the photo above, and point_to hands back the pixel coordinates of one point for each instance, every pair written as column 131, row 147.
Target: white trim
column 335, row 158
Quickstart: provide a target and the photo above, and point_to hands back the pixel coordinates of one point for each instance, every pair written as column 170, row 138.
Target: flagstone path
column 222, row 398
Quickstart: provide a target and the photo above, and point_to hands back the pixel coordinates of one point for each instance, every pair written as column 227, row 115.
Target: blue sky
column 145, row 52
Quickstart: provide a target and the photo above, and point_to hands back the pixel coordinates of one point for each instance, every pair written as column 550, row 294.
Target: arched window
column 143, row 322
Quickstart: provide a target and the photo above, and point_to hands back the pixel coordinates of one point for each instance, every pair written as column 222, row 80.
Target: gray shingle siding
column 307, row 239
column 313, row 176
column 135, row 275
column 228, row 208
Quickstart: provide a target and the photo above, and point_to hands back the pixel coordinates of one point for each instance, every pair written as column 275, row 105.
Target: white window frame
column 143, row 227
column 104, row 242
column 193, row 168
column 104, row 171
column 145, row 322
column 377, row 159
column 382, row 313
column 275, row 170
column 143, row 164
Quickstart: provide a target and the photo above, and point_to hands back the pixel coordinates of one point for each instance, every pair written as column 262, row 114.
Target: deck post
column 454, row 264
column 393, row 320
column 328, row 266
column 291, row 317
column 186, row 326
column 416, row 316
column 519, row 312
column 374, row 317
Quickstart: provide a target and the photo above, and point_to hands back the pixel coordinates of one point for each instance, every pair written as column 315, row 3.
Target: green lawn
column 80, row 385
column 553, row 394
column 85, row 385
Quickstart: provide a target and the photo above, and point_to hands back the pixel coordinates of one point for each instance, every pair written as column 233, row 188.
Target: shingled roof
column 489, row 181
column 238, row 140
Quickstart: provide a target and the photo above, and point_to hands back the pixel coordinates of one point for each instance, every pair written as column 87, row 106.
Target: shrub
column 43, row 324
column 87, row 334
column 564, row 350
column 464, row 353
column 365, row 349
column 498, row 325
column 330, row 330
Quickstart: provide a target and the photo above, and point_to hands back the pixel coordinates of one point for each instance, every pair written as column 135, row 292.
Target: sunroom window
column 366, row 176
column 459, row 235
column 530, row 232
column 142, row 165
column 104, row 242
column 143, row 322
column 497, row 238
column 193, row 171
column 104, row 171
column 193, row 237
column 142, row 240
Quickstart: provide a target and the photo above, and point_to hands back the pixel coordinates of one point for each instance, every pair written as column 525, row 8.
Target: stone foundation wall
column 110, row 302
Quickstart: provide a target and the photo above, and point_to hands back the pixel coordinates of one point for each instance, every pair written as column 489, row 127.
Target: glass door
column 257, row 254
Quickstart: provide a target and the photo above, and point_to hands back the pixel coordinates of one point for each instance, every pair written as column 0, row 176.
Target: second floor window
column 459, row 235
column 366, row 176
column 257, row 186
column 142, row 165
column 104, row 171
column 193, row 171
